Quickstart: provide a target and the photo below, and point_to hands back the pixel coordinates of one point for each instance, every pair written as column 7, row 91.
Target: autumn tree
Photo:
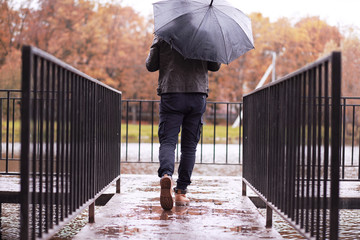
column 126, row 44
column 351, row 66
column 110, row 42
column 294, row 44
column 10, row 72
column 106, row 41
column 12, row 23
column 5, row 32
column 317, row 34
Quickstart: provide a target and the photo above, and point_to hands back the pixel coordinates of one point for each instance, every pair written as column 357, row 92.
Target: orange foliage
column 351, row 66
column 110, row 42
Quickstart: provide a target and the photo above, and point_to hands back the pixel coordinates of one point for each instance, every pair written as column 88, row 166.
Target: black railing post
column 269, row 217
column 152, row 131
column 140, row 114
column 326, row 148
column 92, row 213
column 13, row 129
column 127, row 129
column 359, row 159
column 26, row 74
column 7, row 131
column 335, row 144
column 214, row 140
column 227, row 132
column 353, row 136
column 1, row 122
column 202, row 143
column 240, row 128
column 343, row 137
column 118, row 186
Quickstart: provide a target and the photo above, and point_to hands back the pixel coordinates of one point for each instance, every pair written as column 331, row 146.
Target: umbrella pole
column 211, row 2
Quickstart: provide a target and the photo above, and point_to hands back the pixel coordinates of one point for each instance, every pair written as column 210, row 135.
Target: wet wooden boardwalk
column 217, row 211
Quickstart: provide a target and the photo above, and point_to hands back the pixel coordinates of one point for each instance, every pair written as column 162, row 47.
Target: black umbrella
column 211, row 30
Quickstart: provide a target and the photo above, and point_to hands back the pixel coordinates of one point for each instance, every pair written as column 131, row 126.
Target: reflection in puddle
column 163, row 218
column 157, row 221
column 116, row 231
column 184, row 216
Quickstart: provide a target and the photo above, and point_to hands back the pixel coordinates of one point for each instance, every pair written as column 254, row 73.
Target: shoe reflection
column 165, row 214
column 181, row 210
column 176, row 212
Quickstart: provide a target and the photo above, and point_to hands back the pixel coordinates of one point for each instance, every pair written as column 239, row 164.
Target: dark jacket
column 178, row 75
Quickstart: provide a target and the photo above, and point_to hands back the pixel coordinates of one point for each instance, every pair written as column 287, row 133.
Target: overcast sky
column 339, row 13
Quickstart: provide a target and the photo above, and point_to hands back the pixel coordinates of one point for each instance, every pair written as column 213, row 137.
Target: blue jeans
column 177, row 110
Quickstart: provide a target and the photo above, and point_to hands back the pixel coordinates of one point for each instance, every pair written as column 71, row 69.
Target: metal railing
column 292, row 147
column 350, row 138
column 220, row 142
column 10, row 131
column 137, row 146
column 70, row 142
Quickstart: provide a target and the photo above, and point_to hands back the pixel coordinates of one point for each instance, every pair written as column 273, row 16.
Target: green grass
column 146, row 130
column 208, row 133
column 16, row 130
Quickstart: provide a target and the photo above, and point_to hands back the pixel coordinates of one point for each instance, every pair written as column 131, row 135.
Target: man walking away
column 183, row 87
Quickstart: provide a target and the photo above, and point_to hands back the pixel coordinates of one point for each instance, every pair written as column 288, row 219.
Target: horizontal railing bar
column 355, row 98
column 11, row 98
column 202, row 163
column 10, row 173
column 138, row 100
column 350, row 105
column 149, row 101
column 10, row 90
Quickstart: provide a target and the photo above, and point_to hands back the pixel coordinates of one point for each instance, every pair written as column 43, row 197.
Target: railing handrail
column 156, row 100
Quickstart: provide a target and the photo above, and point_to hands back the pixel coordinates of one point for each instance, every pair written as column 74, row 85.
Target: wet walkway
column 217, row 211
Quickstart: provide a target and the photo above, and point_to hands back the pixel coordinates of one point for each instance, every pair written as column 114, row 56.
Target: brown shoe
column 180, row 198
column 166, row 200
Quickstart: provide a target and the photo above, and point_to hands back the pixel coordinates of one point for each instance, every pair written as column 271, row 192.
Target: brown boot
column 180, row 198
column 166, row 200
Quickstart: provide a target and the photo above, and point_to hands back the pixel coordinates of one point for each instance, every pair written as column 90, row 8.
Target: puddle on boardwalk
column 154, row 221
column 216, row 212
column 117, row 231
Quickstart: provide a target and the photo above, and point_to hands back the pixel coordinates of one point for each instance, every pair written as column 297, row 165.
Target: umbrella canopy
column 211, row 30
